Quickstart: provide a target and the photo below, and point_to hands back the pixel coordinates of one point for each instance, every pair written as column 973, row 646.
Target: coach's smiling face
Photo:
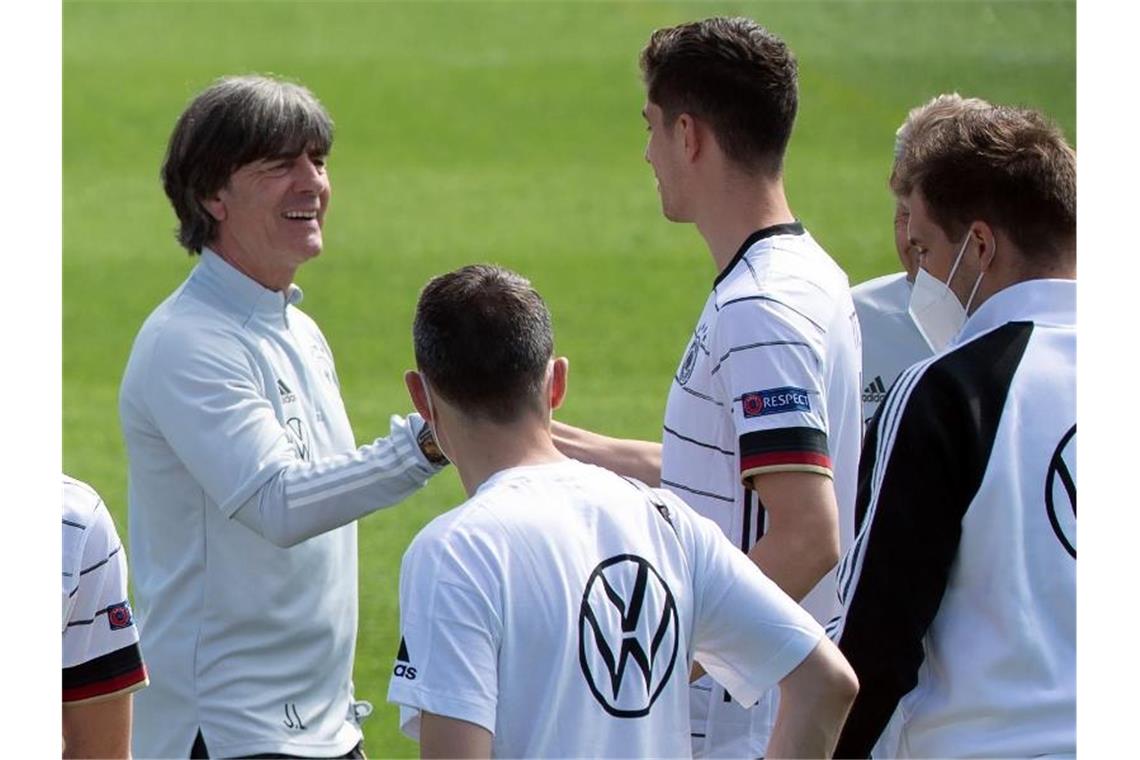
column 664, row 152
column 270, row 216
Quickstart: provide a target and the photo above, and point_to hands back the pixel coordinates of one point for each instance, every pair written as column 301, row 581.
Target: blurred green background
column 487, row 131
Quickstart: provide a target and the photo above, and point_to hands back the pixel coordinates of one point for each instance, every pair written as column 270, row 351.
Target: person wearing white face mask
column 959, row 593
column 892, row 340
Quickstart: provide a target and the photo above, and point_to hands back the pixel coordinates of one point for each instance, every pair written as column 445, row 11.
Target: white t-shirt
column 561, row 611
column 101, row 655
column 769, row 382
column 230, row 402
column 891, row 342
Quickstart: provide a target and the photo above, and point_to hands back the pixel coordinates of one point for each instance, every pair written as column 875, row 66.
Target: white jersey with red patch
column 769, row 382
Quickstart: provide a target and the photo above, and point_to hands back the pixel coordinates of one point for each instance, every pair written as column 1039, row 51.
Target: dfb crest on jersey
column 1061, row 491
column 296, row 432
column 628, row 635
column 690, row 361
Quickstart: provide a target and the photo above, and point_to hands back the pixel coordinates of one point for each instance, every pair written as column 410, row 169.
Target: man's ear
column 215, row 207
column 558, row 375
column 988, row 246
column 415, row 385
column 690, row 134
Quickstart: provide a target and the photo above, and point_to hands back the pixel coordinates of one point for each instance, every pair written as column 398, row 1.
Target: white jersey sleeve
column 101, row 655
column 451, row 633
column 768, row 359
column 200, row 396
column 747, row 633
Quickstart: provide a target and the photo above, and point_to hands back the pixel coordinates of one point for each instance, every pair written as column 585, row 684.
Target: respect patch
column 775, row 401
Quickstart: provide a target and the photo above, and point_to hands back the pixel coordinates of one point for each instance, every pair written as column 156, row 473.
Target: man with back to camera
column 762, row 424
column 245, row 478
column 557, row 611
column 891, row 339
column 959, row 594
column 102, row 664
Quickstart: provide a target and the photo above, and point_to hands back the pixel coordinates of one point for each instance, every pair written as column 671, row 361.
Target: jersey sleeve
column 101, row 656
column 206, row 400
column 450, row 632
column 747, row 633
column 770, row 367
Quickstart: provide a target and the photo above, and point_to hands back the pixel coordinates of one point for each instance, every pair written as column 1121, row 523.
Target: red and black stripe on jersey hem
column 790, row 448
column 788, row 228
column 104, row 675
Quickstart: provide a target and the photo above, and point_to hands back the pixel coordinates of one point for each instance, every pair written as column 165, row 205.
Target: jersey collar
column 1051, row 302
column 241, row 293
column 788, row 228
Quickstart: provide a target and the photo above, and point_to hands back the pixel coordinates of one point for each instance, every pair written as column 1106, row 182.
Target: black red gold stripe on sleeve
column 113, row 673
column 783, row 450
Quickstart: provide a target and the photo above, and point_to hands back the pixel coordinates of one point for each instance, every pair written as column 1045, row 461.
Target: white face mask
column 936, row 311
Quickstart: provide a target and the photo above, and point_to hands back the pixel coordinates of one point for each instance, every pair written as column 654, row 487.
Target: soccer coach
column 959, row 593
column 245, row 478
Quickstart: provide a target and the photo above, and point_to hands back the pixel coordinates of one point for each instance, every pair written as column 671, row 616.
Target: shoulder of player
column 81, row 503
column 881, row 292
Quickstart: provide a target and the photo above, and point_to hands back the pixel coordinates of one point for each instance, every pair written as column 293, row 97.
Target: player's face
column 905, row 251
column 936, row 253
column 273, row 210
column 661, row 153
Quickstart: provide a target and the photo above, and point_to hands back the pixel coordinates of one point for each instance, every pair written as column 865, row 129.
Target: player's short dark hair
column 733, row 74
column 1009, row 167
column 484, row 340
column 232, row 122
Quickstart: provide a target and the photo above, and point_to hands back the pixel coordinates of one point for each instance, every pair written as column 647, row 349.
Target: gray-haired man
column 245, row 478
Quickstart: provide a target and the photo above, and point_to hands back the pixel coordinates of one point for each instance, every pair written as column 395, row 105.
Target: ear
column 558, row 374
column 987, row 248
column 690, row 135
column 215, row 207
column 415, row 385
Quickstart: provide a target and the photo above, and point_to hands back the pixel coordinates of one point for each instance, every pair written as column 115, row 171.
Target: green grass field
column 487, row 131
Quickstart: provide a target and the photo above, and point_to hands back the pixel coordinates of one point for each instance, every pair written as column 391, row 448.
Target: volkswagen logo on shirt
column 295, row 429
column 628, row 635
column 1061, row 492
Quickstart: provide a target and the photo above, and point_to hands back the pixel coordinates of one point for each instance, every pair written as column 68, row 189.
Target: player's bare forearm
column 801, row 542
column 100, row 728
column 625, row 456
column 441, row 737
column 814, row 701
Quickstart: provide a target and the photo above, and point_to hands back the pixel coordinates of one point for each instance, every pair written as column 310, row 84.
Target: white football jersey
column 101, row 655
column 769, row 382
column 561, row 610
column 891, row 341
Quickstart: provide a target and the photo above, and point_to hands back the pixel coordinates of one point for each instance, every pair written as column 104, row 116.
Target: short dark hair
column 483, row 339
column 733, row 74
column 232, row 122
column 1009, row 167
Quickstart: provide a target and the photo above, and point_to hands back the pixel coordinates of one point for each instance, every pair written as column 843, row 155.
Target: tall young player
column 762, row 426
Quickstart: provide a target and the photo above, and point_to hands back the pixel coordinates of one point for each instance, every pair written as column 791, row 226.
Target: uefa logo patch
column 119, row 616
column 775, row 401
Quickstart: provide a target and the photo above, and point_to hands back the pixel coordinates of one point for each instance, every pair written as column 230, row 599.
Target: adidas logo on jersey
column 875, row 391
column 287, row 395
column 404, row 667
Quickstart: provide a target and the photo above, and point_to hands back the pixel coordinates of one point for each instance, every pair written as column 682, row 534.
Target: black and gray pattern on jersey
column 698, row 492
column 100, row 563
column 764, row 344
column 696, row 394
column 695, row 442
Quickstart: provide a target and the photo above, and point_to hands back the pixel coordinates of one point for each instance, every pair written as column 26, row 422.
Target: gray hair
column 231, row 123
column 920, row 119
